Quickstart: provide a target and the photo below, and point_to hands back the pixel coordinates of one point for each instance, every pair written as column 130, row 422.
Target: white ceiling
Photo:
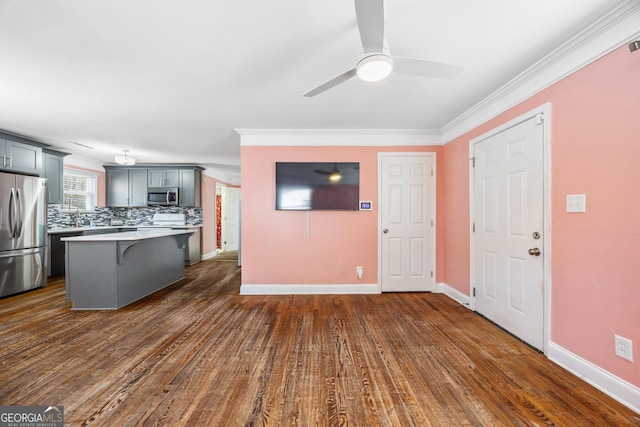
column 170, row 81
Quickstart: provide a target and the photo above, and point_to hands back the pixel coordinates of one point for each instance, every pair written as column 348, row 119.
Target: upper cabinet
column 19, row 157
column 190, row 187
column 126, row 187
column 164, row 178
column 53, row 170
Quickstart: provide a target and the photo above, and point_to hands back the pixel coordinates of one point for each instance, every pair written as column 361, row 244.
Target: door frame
column 225, row 204
column 545, row 111
column 434, row 210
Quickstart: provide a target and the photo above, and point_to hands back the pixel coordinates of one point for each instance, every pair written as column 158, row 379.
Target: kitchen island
column 109, row 271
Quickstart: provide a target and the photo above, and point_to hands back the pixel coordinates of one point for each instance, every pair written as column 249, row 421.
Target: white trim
column 208, row 255
column 610, row 32
column 339, row 137
column 433, row 212
column 545, row 110
column 307, row 289
column 454, row 294
column 622, row 391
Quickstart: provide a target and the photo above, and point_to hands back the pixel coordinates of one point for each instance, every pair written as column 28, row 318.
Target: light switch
column 576, row 203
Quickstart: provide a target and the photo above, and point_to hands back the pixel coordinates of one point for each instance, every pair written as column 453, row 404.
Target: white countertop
column 149, row 233
column 112, row 227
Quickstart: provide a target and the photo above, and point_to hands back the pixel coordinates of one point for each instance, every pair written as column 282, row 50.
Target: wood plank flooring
column 199, row 354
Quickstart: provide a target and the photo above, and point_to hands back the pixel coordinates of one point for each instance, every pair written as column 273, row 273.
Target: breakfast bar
column 109, row 271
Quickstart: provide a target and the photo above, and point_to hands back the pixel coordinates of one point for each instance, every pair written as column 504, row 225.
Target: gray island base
column 109, row 271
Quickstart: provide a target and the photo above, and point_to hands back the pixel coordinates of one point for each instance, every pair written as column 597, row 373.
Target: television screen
column 302, row 186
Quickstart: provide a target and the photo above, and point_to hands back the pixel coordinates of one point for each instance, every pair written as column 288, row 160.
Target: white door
column 407, row 222
column 230, row 218
column 508, row 191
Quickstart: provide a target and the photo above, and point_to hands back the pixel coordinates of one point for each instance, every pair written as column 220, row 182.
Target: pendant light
column 125, row 160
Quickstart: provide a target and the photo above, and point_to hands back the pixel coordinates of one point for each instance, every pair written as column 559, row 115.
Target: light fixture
column 335, row 175
column 633, row 46
column 374, row 67
column 125, row 160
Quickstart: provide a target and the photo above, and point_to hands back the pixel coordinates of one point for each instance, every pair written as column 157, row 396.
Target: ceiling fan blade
column 331, row 83
column 370, row 15
column 424, row 68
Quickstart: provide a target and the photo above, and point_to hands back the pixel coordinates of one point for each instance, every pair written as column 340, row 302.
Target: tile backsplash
column 64, row 218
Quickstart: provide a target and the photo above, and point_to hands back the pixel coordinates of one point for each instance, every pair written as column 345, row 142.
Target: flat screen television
column 304, row 186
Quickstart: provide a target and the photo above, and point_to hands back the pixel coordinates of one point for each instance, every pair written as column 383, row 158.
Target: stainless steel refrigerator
column 23, row 231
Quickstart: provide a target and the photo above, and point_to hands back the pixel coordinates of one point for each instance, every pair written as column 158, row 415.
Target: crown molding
column 614, row 29
column 339, row 137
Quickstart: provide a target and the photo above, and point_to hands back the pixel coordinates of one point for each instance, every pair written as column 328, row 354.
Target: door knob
column 385, row 231
column 534, row 251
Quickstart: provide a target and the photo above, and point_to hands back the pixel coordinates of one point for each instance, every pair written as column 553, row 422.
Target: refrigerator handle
column 12, row 228
column 20, row 213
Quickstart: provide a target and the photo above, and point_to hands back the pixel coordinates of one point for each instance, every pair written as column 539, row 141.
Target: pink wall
column 275, row 248
column 595, row 263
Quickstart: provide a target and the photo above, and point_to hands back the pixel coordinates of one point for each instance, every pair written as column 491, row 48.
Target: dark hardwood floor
column 198, row 354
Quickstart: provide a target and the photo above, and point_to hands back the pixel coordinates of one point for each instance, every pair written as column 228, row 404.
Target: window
column 79, row 190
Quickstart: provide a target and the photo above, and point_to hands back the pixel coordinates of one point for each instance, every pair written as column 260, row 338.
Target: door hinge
column 473, row 162
column 473, row 227
column 432, row 223
column 474, row 291
column 431, row 172
column 431, row 273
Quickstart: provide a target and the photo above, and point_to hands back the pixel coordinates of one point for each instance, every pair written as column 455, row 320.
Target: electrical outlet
column 359, row 271
column 624, row 348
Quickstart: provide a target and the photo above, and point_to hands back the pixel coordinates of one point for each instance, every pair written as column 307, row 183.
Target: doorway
column 227, row 218
column 510, row 223
column 407, row 222
column 230, row 218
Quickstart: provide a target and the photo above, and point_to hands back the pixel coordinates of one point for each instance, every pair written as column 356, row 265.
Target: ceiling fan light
column 335, row 177
column 374, row 68
column 125, row 160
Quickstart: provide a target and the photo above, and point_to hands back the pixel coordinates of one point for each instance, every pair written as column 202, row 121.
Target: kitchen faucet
column 77, row 218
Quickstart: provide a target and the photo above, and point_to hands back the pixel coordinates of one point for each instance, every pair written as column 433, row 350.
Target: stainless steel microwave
column 164, row 196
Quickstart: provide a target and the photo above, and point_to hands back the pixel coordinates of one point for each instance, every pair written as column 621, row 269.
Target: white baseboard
column 619, row 389
column 208, row 255
column 454, row 294
column 622, row 391
column 305, row 289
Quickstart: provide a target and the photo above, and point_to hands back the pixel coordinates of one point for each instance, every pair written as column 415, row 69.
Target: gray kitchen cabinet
column 117, row 187
column 137, row 187
column 19, row 157
column 53, row 170
column 164, row 177
column 190, row 187
column 126, row 187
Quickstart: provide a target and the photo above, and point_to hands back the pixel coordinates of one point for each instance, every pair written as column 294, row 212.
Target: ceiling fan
column 333, row 175
column 376, row 62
